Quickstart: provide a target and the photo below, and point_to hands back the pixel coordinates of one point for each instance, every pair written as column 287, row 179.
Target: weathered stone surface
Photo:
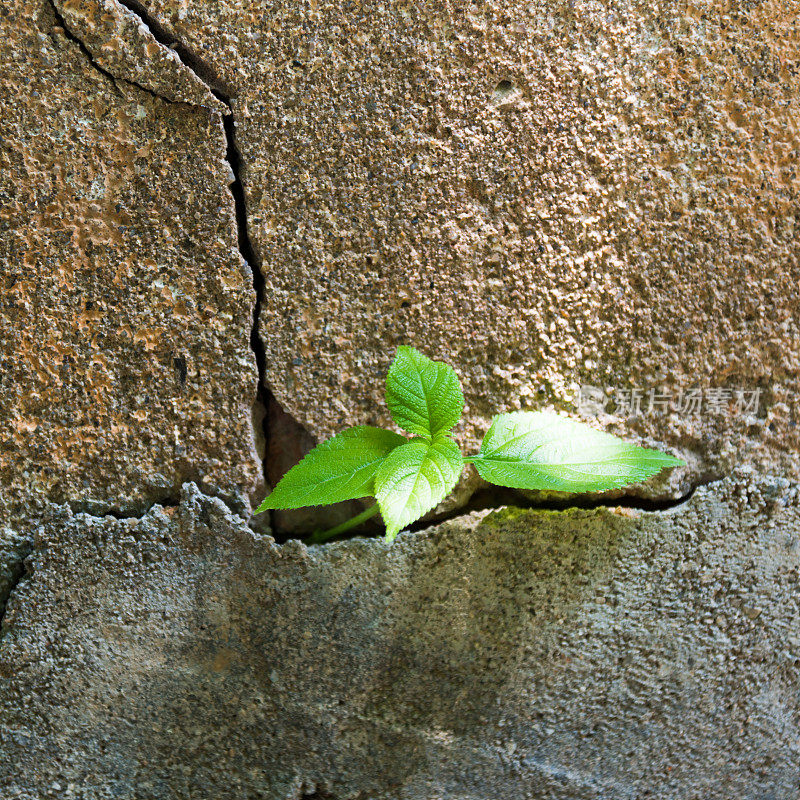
column 546, row 194
column 580, row 654
column 543, row 193
column 125, row 306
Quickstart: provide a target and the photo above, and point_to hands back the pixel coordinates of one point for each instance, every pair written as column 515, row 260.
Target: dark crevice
column 263, row 394
column 496, row 497
column 288, row 444
column 312, row 793
column 100, row 509
column 204, row 71
column 13, row 575
column 81, row 46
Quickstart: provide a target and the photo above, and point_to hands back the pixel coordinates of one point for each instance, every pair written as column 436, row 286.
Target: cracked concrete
column 137, row 66
column 122, row 45
column 160, row 153
column 287, row 442
column 552, row 300
column 127, row 366
column 127, row 42
column 545, row 194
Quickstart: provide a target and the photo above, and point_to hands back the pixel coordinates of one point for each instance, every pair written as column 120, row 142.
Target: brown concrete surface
column 125, row 306
column 546, row 194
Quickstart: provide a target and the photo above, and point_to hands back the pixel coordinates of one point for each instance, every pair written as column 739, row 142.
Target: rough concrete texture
column 528, row 654
column 546, row 194
column 125, row 306
column 14, row 548
column 123, row 45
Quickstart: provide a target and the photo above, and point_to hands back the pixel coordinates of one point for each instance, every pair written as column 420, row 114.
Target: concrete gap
column 493, row 498
column 311, row 792
column 96, row 508
column 59, row 19
column 264, row 400
column 204, row 71
column 264, row 397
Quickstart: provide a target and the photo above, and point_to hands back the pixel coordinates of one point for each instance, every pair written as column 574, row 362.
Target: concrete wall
column 217, row 220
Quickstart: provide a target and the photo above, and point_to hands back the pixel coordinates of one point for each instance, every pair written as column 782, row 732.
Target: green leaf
column 537, row 450
column 424, row 396
column 341, row 468
column 414, row 478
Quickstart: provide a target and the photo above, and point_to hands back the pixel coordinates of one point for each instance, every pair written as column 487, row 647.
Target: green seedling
column 410, row 476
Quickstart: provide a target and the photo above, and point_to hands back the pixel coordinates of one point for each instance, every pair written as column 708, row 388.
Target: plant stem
column 322, row 536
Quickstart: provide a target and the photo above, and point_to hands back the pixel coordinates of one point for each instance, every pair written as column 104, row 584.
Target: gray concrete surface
column 560, row 655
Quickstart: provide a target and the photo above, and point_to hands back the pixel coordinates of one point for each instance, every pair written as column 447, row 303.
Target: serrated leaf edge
column 391, row 529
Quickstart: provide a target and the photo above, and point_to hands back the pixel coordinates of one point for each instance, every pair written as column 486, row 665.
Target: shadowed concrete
column 579, row 654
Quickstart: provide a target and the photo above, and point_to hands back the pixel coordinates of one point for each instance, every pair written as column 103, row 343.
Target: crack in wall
column 99, row 509
column 234, row 159
column 114, row 79
column 191, row 60
column 70, row 36
column 205, row 73
column 315, row 794
column 494, row 498
column 264, row 396
column 486, row 499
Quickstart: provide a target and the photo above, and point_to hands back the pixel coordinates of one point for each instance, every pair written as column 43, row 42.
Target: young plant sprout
column 409, row 476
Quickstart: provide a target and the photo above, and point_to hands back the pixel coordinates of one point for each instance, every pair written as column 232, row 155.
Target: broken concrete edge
column 16, row 548
column 233, row 156
column 191, row 60
column 192, row 492
column 72, row 36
